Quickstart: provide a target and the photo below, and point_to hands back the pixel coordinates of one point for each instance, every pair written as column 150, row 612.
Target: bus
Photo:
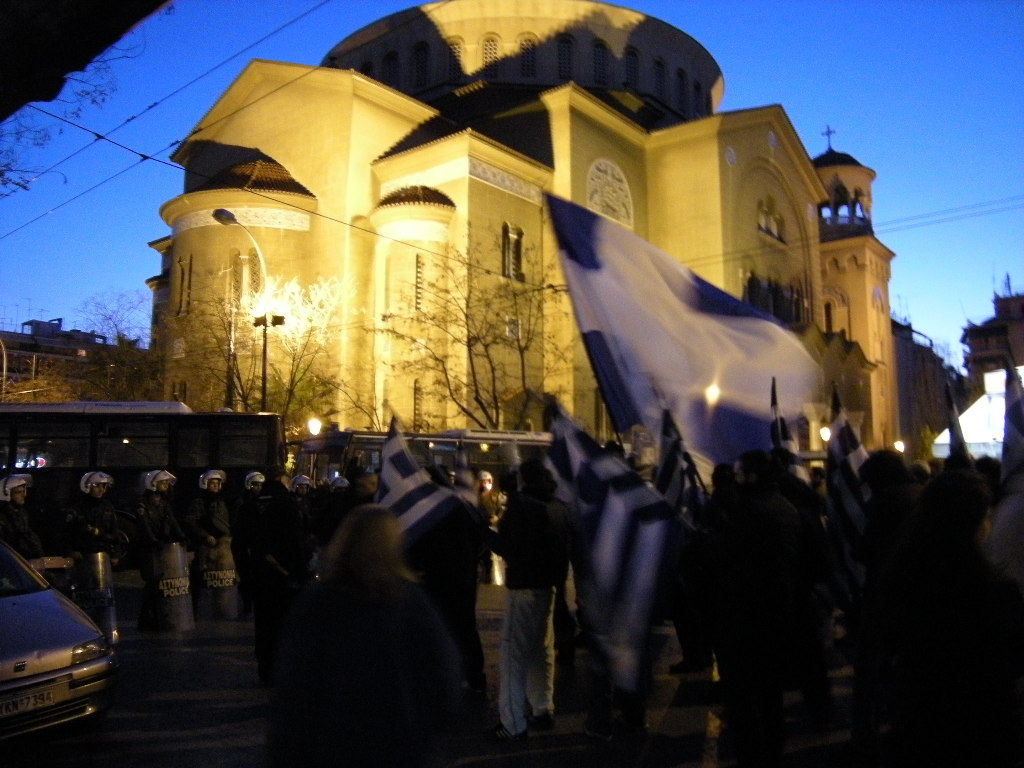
column 348, row 453
column 57, row 443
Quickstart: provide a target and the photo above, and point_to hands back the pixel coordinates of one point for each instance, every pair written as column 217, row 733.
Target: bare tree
column 33, row 127
column 477, row 341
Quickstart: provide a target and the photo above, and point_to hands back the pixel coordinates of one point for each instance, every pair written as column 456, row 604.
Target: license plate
column 26, row 702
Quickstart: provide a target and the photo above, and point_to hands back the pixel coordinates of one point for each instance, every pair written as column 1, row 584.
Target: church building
column 391, row 200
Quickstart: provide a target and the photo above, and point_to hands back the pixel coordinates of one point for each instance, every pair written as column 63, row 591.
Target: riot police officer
column 92, row 520
column 158, row 527
column 15, row 528
column 207, row 522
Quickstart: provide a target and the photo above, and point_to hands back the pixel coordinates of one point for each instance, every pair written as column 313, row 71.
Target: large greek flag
column 846, row 496
column 660, row 338
column 1006, row 540
column 407, row 490
column 627, row 533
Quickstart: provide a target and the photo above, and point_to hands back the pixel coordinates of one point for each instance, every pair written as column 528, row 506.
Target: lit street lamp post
column 226, row 217
column 264, row 321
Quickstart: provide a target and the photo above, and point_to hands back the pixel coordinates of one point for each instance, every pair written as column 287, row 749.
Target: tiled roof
column 257, row 175
column 416, row 194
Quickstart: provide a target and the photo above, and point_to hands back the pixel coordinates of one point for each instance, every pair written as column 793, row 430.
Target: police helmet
column 211, row 474
column 254, row 478
column 301, row 480
column 89, row 479
column 11, row 482
column 155, row 476
column 340, row 483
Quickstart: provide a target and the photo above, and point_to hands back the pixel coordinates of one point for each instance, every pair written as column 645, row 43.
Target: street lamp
column 265, row 321
column 226, row 217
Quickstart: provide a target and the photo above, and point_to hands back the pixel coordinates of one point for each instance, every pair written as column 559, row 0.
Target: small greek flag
column 407, row 490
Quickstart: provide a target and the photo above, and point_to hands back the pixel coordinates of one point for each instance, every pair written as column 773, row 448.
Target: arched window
column 456, row 49
column 491, row 51
column 389, row 69
column 659, row 79
column 828, row 317
column 769, row 220
column 512, row 252
column 184, row 284
column 421, row 65
column 418, row 286
column 698, row 98
column 631, row 60
column 600, row 63
column 367, row 68
column 528, row 57
column 417, row 406
column 566, row 52
column 682, row 92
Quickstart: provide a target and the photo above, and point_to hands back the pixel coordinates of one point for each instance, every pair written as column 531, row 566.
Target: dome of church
column 258, row 175
column 416, row 195
column 438, row 48
column 831, row 158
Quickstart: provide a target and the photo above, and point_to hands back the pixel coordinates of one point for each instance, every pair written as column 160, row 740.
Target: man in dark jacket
column 445, row 558
column 808, row 667
column 755, row 573
column 281, row 554
column 533, row 538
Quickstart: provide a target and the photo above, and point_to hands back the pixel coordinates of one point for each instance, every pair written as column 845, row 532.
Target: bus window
column 194, row 447
column 244, row 445
column 43, row 444
column 133, row 444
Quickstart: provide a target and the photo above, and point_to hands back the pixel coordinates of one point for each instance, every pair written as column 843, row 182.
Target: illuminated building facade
column 417, row 154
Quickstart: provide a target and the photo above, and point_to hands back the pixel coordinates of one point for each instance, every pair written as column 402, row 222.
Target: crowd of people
column 348, row 619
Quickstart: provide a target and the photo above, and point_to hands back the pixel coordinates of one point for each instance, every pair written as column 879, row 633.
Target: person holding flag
column 533, row 538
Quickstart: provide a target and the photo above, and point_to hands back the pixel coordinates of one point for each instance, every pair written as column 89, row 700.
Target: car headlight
column 90, row 650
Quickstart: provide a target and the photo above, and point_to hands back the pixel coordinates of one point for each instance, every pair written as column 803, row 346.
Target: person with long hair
column 366, row 673
column 951, row 630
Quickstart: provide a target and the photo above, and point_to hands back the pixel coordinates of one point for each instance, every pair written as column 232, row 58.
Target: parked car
column 56, row 666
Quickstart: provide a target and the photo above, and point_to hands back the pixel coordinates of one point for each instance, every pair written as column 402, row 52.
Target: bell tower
column 855, row 283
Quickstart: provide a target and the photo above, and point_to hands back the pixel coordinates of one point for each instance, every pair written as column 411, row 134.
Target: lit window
column 456, row 49
column 491, row 54
column 528, row 57
column 769, row 220
column 512, row 252
column 418, row 289
column 417, row 405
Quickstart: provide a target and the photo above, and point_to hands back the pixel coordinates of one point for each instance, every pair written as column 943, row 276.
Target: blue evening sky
column 928, row 93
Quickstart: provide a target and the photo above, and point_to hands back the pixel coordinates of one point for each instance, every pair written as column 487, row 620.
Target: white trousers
column 526, row 660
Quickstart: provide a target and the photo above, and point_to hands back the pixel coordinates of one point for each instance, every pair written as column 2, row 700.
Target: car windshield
column 17, row 578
